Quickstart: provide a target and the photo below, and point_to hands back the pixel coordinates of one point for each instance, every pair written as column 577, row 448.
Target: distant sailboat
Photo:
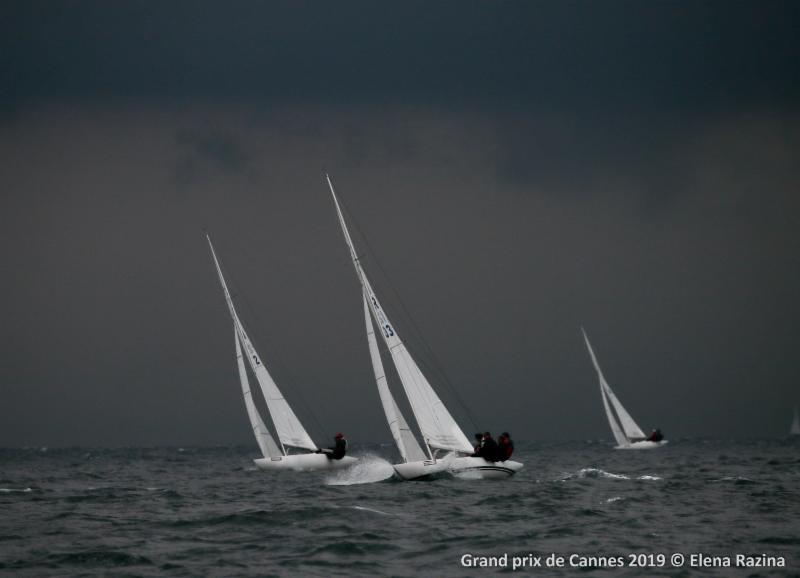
column 440, row 432
column 795, row 428
column 627, row 433
column 291, row 433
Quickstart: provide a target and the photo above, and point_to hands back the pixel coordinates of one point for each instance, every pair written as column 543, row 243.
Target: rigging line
column 437, row 369
column 274, row 355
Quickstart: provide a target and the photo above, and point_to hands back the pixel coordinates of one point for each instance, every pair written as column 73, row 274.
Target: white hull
column 414, row 470
column 469, row 468
column 464, row 467
column 303, row 462
column 642, row 445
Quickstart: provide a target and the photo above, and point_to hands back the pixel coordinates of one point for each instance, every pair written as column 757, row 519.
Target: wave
column 737, row 480
column 15, row 490
column 369, row 469
column 593, row 473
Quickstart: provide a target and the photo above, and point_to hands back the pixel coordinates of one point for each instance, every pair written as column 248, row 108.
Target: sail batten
column 438, row 427
column 289, row 429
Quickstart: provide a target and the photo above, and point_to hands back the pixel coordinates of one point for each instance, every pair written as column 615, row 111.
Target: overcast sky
column 519, row 169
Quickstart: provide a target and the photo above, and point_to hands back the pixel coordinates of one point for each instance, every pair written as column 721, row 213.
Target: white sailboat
column 291, row 433
column 627, row 433
column 446, row 446
column 795, row 427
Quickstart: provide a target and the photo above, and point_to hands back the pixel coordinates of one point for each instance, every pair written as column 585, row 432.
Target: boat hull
column 303, row 463
column 416, row 470
column 463, row 467
column 469, row 468
column 643, row 445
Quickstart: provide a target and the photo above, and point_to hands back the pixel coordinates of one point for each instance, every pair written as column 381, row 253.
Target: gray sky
column 518, row 169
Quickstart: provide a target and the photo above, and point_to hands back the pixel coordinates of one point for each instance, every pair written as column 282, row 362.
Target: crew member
column 505, row 446
column 338, row 450
column 478, row 443
column 488, row 449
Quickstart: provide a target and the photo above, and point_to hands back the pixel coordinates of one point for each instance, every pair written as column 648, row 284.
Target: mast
column 605, row 390
column 439, row 429
column 290, row 431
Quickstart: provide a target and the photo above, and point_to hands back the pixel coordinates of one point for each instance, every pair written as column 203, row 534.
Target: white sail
column 795, row 429
column 290, row 431
column 269, row 448
column 403, row 437
column 625, row 430
column 438, row 427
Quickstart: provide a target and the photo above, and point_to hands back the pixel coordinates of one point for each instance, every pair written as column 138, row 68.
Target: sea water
column 210, row 512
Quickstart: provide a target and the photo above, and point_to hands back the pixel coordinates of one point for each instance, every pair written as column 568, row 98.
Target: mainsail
column 622, row 425
column 269, row 448
column 438, row 427
column 403, row 437
column 290, row 431
column 795, row 429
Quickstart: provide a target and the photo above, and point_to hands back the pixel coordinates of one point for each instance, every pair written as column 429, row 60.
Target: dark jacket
column 506, row 448
column 488, row 450
column 339, row 450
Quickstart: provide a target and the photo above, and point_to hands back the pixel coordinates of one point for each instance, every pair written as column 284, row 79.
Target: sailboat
column 291, row 433
column 627, row 433
column 795, row 428
column 446, row 448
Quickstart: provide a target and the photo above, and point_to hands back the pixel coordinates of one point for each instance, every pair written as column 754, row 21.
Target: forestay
column 269, row 448
column 289, row 429
column 403, row 437
column 438, row 427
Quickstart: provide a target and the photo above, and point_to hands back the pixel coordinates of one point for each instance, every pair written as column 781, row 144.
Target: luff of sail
column 289, row 429
column 406, row 442
column 438, row 427
column 622, row 425
column 269, row 449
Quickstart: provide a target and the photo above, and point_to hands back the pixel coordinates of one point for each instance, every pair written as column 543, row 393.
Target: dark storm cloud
column 204, row 150
column 519, row 169
column 520, row 54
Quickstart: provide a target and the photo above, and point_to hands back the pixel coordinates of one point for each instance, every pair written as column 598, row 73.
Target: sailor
column 488, row 449
column 655, row 436
column 338, row 450
column 505, row 446
column 478, row 443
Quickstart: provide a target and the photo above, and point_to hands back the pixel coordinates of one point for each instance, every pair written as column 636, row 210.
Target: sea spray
column 367, row 470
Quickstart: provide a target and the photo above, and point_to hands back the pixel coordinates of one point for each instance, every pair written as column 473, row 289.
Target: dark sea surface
column 210, row 512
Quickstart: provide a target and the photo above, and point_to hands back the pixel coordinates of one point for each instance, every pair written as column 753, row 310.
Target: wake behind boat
column 447, row 449
column 628, row 434
column 291, row 433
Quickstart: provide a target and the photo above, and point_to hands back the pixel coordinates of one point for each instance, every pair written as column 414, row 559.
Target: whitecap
column 614, row 499
column 646, row 477
column 594, row 473
column 15, row 490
